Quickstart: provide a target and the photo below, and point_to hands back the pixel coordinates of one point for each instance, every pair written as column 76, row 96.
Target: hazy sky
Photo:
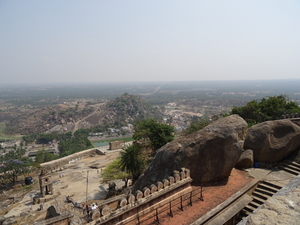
column 94, row 41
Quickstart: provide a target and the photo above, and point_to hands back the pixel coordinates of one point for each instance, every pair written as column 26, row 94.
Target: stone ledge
column 55, row 219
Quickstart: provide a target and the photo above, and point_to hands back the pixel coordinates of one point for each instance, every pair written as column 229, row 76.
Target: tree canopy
column 153, row 134
column 15, row 164
column 132, row 162
column 44, row 156
column 113, row 171
column 134, row 158
column 269, row 108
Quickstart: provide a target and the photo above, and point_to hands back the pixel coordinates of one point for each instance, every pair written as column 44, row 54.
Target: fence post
column 156, row 220
column 181, row 207
column 201, row 195
column 191, row 195
column 138, row 219
column 171, row 213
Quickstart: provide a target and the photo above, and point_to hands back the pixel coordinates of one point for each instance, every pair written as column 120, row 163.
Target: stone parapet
column 127, row 207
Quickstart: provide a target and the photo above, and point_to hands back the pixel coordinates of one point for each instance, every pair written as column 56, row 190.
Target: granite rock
column 210, row 153
column 271, row 141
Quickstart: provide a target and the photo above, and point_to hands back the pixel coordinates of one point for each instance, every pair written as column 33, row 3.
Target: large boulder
column 245, row 160
column 271, row 141
column 210, row 153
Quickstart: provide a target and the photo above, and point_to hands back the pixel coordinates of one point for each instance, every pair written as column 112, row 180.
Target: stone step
column 264, row 191
column 291, row 166
column 254, row 204
column 289, row 170
column 258, row 200
column 249, row 209
column 292, row 163
column 277, row 187
column 260, row 195
column 267, row 188
column 244, row 213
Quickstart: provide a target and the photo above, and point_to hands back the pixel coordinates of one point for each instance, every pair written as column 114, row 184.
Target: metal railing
column 160, row 213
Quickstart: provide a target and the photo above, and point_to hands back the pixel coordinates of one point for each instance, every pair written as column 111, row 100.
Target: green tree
column 13, row 168
column 44, row 138
column 44, row 156
column 153, row 134
column 131, row 161
column 270, row 108
column 30, row 137
column 81, row 133
column 113, row 171
column 14, row 154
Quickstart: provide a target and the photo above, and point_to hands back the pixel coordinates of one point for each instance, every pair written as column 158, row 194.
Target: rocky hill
column 69, row 117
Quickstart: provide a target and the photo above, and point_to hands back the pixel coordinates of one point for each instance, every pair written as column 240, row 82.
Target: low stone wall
column 64, row 219
column 289, row 116
column 127, row 207
column 58, row 164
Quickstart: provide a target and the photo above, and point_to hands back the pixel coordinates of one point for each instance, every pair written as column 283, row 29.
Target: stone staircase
column 262, row 192
column 290, row 167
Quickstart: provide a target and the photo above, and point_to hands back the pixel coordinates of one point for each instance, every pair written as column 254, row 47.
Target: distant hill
column 70, row 117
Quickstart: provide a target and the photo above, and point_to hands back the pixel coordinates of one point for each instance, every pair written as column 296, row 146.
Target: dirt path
column 76, row 123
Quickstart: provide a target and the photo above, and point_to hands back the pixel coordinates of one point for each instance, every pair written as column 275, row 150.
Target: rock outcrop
column 210, row 153
column 271, row 141
column 245, row 160
column 62, row 117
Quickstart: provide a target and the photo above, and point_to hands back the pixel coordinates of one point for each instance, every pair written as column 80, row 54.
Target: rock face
column 245, row 160
column 271, row 141
column 210, row 153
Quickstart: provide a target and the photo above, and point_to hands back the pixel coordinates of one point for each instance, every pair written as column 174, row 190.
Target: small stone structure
column 113, row 145
column 46, row 185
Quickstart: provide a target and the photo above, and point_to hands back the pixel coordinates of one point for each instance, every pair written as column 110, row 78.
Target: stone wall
column 290, row 116
column 143, row 201
column 57, row 164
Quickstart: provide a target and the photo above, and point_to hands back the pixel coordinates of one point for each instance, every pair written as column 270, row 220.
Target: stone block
column 171, row 180
column 166, row 183
column 153, row 188
column 146, row 191
column 139, row 195
column 177, row 177
column 122, row 202
column 105, row 211
column 159, row 185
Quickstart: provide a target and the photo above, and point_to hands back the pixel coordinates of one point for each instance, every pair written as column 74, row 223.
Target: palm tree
column 132, row 161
